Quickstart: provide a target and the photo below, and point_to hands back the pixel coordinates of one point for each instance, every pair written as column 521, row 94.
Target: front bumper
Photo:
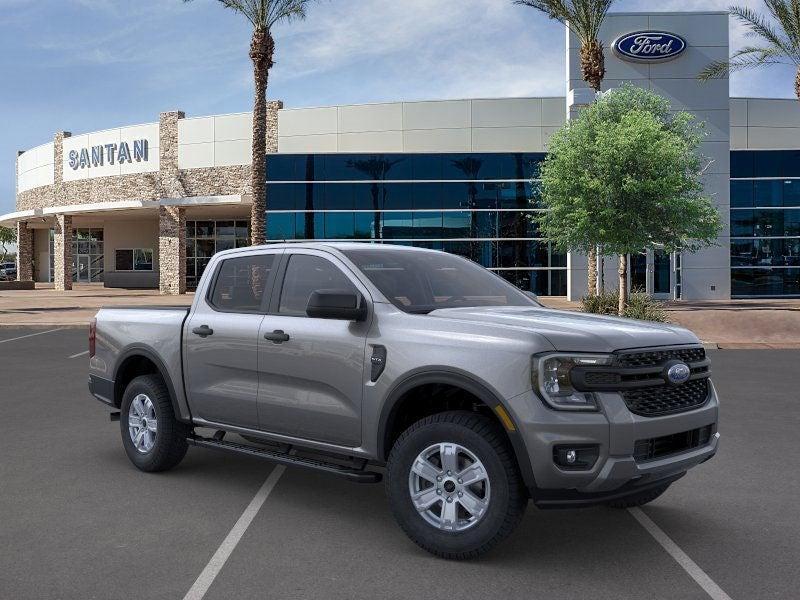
column 615, row 430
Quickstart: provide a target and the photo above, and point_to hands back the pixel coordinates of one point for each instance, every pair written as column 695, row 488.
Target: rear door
column 311, row 383
column 222, row 340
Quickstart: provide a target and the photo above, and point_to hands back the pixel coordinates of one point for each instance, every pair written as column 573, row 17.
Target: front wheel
column 454, row 486
column 153, row 438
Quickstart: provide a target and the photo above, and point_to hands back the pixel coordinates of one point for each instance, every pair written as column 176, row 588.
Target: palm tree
column 584, row 19
column 779, row 41
column 263, row 15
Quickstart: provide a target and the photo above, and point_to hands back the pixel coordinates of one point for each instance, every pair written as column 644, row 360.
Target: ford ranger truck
column 365, row 360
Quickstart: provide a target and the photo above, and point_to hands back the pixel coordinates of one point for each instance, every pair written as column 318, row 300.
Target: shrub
column 640, row 306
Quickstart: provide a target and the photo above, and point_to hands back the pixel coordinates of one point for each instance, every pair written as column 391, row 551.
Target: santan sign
column 649, row 46
column 97, row 156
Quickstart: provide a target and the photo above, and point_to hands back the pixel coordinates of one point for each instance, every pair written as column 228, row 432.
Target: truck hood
column 573, row 331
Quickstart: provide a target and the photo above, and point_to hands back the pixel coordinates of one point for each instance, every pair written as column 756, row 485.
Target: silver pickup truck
column 359, row 360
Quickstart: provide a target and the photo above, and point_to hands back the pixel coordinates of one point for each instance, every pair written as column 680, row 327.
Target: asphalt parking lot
column 77, row 520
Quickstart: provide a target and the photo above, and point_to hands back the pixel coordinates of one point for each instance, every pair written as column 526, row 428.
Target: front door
column 83, row 269
column 221, row 339
column 311, row 383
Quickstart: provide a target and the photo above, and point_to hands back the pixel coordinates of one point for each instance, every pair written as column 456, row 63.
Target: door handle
column 203, row 331
column 277, row 336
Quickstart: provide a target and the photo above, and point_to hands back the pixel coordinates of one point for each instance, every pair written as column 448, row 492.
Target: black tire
column 170, row 439
column 639, row 499
column 489, row 444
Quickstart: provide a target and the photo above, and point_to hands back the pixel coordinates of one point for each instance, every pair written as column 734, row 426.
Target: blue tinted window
column 768, row 193
column 339, row 196
column 427, row 225
column 309, row 226
column 426, row 166
column 457, row 225
column 768, row 164
column 765, row 282
column 791, row 193
column 396, row 196
column 367, row 196
column 455, row 195
column 742, row 164
column 398, row 226
column 281, row 167
column 367, row 226
column 772, row 252
column 425, row 195
column 280, row 226
column 339, row 226
column 282, row 196
column 741, row 194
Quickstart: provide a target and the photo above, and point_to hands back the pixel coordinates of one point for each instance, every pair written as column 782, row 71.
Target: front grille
column 655, row 448
column 666, row 399
column 656, row 357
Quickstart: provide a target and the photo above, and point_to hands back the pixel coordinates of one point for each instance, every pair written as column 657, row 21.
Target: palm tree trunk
column 797, row 84
column 262, row 48
column 592, row 272
column 593, row 68
column 623, row 283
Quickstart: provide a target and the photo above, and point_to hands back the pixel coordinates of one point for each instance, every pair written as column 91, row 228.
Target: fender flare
column 467, row 383
column 136, row 351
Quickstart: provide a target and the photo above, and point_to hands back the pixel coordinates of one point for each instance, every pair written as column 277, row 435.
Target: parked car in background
column 474, row 397
column 8, row 271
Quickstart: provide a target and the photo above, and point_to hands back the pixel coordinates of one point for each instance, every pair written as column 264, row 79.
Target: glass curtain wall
column 474, row 205
column 205, row 238
column 765, row 223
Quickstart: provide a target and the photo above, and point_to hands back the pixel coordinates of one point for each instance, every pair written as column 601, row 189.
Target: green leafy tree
column 263, row 15
column 584, row 19
column 778, row 40
column 7, row 237
column 626, row 175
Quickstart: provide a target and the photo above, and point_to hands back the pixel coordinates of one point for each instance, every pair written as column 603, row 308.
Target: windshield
column 419, row 282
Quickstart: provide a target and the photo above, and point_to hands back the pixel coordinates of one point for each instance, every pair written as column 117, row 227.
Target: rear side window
column 307, row 274
column 241, row 283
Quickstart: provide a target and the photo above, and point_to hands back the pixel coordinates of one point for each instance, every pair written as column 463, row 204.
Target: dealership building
column 146, row 206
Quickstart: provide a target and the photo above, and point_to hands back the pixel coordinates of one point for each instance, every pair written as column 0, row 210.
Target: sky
column 86, row 65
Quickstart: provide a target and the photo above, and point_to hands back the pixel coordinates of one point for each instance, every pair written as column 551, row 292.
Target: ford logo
column 649, row 46
column 678, row 373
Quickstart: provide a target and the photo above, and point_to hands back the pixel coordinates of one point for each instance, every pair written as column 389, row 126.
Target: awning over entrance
column 11, row 219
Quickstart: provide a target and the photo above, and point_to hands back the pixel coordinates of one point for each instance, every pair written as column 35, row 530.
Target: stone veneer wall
column 24, row 252
column 169, row 182
column 62, row 251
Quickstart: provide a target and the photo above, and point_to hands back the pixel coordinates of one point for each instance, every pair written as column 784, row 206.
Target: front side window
column 241, row 283
column 419, row 282
column 133, row 259
column 305, row 275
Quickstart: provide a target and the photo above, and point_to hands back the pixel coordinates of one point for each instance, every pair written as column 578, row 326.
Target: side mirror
column 337, row 304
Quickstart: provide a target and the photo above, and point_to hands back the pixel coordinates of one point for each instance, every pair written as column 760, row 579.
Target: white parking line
column 688, row 565
column 22, row 337
column 85, row 352
column 228, row 545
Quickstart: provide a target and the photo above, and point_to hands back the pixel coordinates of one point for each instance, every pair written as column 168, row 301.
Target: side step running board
column 283, row 458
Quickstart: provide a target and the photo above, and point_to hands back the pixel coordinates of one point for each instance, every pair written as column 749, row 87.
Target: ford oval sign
column 649, row 46
column 679, row 373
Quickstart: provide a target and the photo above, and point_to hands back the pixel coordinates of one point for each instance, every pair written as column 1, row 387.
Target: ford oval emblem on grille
column 649, row 46
column 678, row 373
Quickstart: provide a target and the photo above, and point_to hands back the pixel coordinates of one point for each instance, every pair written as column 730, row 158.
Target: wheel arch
column 136, row 361
column 403, row 393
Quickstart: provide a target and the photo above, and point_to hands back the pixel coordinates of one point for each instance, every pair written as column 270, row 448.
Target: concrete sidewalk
column 735, row 324
column 45, row 307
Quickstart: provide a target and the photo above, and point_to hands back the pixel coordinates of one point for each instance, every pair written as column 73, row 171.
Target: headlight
column 550, row 375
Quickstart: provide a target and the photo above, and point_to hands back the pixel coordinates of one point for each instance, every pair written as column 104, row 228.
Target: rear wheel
column 153, row 438
column 454, row 486
column 639, row 499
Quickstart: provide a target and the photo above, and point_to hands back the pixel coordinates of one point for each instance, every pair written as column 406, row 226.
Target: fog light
column 576, row 458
